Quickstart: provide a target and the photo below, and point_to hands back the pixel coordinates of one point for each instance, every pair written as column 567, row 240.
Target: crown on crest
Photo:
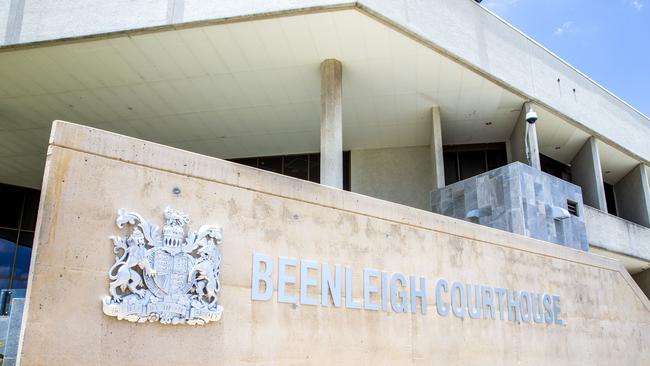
column 173, row 231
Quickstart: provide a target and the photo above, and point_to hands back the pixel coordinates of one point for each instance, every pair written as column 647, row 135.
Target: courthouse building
column 414, row 117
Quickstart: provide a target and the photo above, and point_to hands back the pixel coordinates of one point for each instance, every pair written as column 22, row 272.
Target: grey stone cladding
column 10, row 331
column 519, row 199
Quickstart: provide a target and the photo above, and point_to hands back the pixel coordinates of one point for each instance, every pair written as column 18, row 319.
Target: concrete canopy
column 238, row 79
column 245, row 89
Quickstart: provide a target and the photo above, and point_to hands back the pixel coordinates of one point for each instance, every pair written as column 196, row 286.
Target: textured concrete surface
column 386, row 174
column 90, row 174
column 331, row 123
column 633, row 196
column 519, row 199
column 460, row 28
column 617, row 235
column 587, row 172
column 437, row 157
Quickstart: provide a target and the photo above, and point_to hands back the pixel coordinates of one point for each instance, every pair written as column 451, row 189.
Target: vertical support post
column 437, row 160
column 587, row 173
column 331, row 124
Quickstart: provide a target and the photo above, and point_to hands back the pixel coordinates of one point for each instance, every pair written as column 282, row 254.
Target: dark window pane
column 314, row 168
column 30, row 210
column 23, row 257
column 611, row 199
column 471, row 163
column 451, row 168
column 496, row 158
column 246, row 161
column 7, row 250
column 271, row 163
column 346, row 170
column 555, row 168
column 296, row 166
column 11, row 201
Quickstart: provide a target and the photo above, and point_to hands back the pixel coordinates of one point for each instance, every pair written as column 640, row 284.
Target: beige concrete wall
column 400, row 175
column 90, row 174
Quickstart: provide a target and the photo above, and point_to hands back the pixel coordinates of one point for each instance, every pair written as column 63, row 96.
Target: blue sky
column 608, row 40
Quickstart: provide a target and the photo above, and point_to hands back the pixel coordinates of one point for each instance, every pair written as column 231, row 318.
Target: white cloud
column 499, row 5
column 567, row 27
column 636, row 4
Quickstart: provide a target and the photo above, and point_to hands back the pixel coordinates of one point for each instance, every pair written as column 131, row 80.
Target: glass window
column 451, row 167
column 304, row 166
column 555, row 168
column 314, row 168
column 17, row 224
column 496, row 158
column 271, row 163
column 610, row 197
column 12, row 202
column 346, row 171
column 246, row 161
column 465, row 161
column 21, row 266
column 297, row 166
column 471, row 163
column 30, row 212
column 8, row 240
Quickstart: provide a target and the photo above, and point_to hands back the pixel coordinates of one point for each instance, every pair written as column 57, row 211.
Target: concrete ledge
column 617, row 235
column 147, row 154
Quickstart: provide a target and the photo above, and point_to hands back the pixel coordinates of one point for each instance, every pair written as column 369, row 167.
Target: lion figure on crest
column 123, row 273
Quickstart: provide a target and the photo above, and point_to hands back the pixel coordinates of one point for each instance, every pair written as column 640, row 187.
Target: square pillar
column 437, row 159
column 633, row 196
column 587, row 173
column 331, row 124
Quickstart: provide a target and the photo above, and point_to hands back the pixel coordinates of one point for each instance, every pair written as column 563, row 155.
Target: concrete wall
column 400, row 175
column 517, row 142
column 461, row 28
column 587, row 173
column 91, row 174
column 633, row 196
column 617, row 235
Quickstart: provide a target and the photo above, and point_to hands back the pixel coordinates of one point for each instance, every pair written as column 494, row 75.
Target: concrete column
column 437, row 160
column 331, row 124
column 633, row 196
column 518, row 140
column 587, row 173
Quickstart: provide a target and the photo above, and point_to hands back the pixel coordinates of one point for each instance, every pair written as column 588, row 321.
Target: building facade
column 428, row 105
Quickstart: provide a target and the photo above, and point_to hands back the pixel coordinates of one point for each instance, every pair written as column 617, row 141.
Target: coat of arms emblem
column 173, row 279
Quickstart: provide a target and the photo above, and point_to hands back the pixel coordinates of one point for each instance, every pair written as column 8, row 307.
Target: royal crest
column 173, row 279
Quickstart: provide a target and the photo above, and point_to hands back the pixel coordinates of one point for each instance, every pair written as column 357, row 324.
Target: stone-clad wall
column 519, row 199
column 10, row 332
column 603, row 317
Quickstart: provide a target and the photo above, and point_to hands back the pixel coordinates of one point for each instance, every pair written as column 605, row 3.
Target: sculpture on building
column 173, row 279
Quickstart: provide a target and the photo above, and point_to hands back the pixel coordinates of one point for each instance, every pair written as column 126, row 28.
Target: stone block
column 521, row 200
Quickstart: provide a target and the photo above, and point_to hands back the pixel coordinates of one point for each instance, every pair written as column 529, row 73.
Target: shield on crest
column 172, row 272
